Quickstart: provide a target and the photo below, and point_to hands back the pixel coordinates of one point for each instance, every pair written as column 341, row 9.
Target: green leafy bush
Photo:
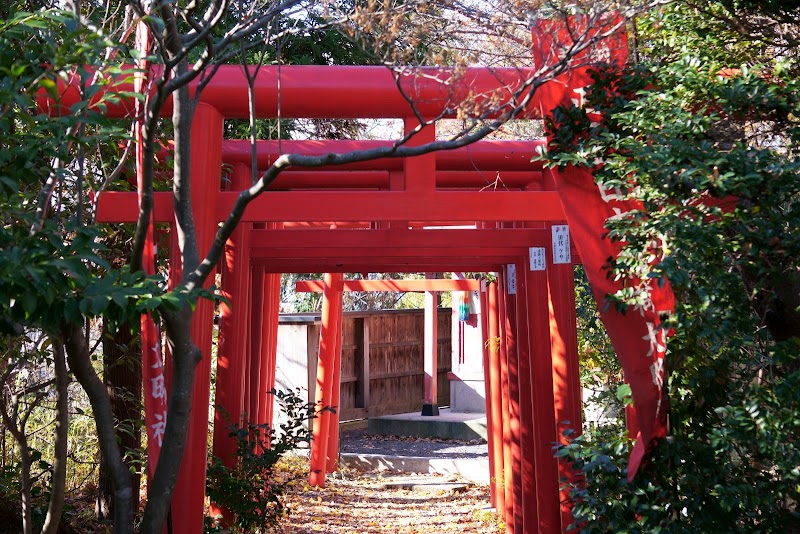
column 703, row 133
column 251, row 492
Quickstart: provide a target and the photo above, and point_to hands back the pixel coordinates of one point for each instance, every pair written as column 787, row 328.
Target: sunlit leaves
column 703, row 132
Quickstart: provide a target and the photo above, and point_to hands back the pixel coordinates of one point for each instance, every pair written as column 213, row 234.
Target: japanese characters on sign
column 511, row 278
column 537, row 258
column 561, row 253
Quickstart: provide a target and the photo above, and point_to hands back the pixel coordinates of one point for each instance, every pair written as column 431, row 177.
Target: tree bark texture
column 81, row 365
column 61, row 447
column 185, row 357
column 123, row 377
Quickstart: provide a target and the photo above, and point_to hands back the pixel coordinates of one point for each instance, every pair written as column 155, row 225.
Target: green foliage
column 600, row 369
column 735, row 471
column 52, row 268
column 251, row 492
column 707, row 144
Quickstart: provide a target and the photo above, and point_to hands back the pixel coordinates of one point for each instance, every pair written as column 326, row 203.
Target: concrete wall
column 467, row 393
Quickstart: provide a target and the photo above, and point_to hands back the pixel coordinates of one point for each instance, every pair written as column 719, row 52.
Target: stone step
column 475, row 470
column 423, row 484
column 446, row 425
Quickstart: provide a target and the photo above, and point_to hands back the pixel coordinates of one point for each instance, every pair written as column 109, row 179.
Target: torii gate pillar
column 206, row 162
column 326, row 374
column 431, row 355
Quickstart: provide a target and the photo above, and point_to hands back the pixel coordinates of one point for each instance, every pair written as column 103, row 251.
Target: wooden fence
column 382, row 359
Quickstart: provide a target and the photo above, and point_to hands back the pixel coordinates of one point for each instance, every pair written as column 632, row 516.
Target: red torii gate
column 532, row 378
column 372, row 217
column 513, row 221
column 430, row 406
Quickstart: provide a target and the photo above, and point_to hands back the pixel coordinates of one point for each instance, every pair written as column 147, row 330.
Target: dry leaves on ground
column 356, row 503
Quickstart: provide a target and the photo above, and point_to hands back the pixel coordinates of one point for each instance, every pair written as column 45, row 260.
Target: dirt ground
column 358, row 502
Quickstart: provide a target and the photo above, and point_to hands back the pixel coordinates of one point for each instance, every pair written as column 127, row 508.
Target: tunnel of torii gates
column 483, row 208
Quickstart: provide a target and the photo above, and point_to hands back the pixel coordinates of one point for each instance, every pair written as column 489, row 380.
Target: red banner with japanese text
column 155, row 391
column 637, row 336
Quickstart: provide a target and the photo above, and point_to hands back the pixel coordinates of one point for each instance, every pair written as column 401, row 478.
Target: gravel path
column 360, row 442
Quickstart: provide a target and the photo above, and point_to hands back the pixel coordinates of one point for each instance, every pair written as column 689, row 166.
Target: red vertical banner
column 637, row 336
column 554, row 38
column 155, row 391
column 638, row 339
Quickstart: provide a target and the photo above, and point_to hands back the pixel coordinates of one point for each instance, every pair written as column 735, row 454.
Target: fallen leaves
column 354, row 502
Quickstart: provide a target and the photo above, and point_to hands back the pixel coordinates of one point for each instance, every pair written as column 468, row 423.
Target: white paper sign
column 561, row 252
column 538, row 259
column 511, row 278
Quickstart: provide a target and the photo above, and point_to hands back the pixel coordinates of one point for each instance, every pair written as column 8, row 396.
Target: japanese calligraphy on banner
column 637, row 337
column 553, row 37
column 155, row 391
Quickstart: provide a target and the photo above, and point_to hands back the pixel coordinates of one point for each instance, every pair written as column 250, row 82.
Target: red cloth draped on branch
column 637, row 336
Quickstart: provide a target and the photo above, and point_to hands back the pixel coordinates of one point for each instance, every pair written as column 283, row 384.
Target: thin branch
column 113, row 175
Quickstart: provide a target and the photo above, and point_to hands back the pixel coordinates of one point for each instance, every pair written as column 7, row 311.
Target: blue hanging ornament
column 463, row 307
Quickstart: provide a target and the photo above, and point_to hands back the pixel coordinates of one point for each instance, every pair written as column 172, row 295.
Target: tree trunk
column 185, row 357
column 26, row 486
column 10, row 416
column 123, row 377
column 81, row 365
column 60, row 449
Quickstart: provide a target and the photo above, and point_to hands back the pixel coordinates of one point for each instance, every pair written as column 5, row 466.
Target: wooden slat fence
column 382, row 359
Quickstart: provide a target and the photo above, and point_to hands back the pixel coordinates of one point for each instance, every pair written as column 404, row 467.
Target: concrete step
column 446, row 425
column 475, row 470
column 423, row 484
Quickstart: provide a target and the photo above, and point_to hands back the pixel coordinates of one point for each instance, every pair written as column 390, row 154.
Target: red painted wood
column 420, row 171
column 244, row 325
column 401, row 253
column 325, row 375
column 258, row 339
column 233, row 354
column 487, row 384
column 266, row 402
column 346, row 92
column 452, row 206
column 206, row 160
column 365, row 92
column 526, row 438
column 566, row 374
column 368, row 264
column 512, row 358
column 430, row 350
column 399, row 238
column 544, row 426
column 420, row 286
column 232, row 350
column 485, row 155
column 332, row 463
column 496, row 399
column 508, row 461
column 373, row 179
